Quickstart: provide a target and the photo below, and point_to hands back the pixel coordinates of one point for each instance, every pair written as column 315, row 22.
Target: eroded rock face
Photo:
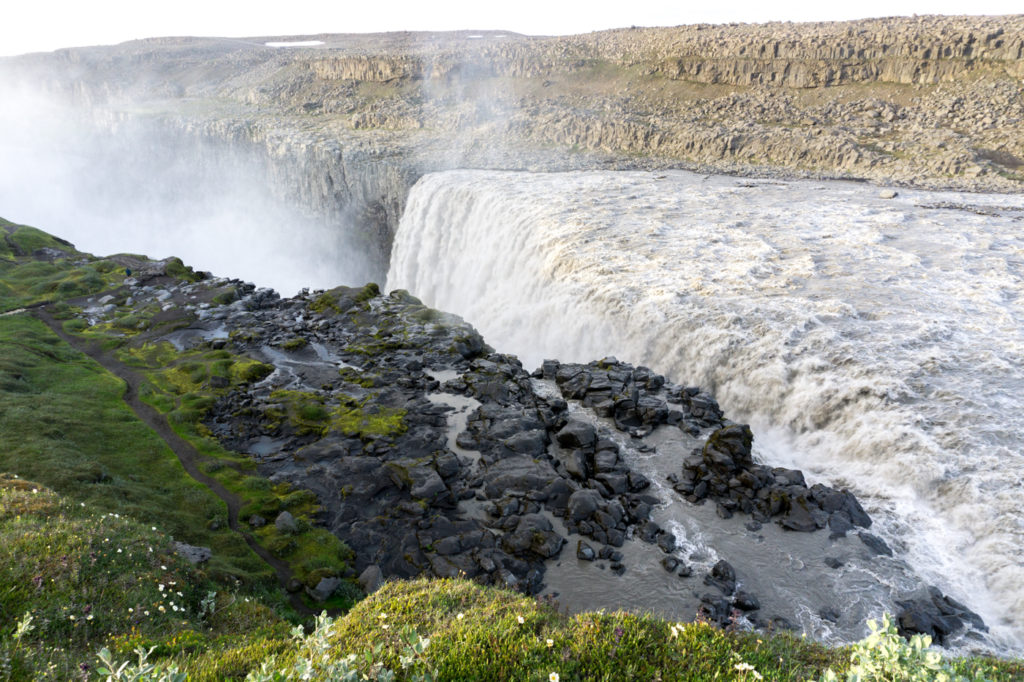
column 358, row 410
column 347, row 128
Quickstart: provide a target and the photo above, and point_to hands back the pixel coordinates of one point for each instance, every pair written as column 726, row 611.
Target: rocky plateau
column 345, row 128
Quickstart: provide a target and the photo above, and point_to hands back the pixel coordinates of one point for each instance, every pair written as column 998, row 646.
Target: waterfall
column 875, row 343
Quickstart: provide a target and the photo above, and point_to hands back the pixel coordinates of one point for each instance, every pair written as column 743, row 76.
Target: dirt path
column 186, row 454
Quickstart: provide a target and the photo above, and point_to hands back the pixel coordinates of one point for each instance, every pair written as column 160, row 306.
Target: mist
column 132, row 185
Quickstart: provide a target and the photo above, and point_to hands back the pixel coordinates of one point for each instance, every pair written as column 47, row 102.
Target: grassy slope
column 116, row 486
column 63, row 423
column 95, row 438
column 92, row 578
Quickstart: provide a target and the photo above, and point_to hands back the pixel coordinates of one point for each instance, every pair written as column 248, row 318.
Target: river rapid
column 876, row 344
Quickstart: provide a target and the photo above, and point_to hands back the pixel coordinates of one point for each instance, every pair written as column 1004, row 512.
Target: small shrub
column 75, row 325
column 295, row 344
column 316, row 659
column 884, row 656
column 225, row 297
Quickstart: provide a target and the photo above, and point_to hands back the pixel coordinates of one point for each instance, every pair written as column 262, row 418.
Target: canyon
column 346, row 127
column 322, row 146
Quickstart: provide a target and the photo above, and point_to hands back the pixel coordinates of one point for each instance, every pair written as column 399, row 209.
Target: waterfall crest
column 875, row 343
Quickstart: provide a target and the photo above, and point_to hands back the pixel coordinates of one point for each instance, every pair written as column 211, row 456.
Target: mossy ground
column 184, row 385
column 317, row 414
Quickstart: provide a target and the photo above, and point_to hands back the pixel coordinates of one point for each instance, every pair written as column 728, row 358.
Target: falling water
column 874, row 343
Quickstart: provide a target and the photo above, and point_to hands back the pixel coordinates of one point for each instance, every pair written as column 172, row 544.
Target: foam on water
column 873, row 343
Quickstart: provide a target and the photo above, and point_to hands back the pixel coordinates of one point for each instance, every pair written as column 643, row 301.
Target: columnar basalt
column 346, row 128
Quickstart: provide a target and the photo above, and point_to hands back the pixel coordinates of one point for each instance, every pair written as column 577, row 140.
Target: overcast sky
column 41, row 25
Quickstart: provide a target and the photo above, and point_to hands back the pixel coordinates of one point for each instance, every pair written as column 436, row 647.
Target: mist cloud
column 135, row 186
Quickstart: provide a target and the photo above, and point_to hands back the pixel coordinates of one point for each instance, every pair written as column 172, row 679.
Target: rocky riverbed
column 432, row 454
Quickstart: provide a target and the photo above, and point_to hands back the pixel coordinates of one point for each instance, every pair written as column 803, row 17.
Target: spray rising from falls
column 142, row 187
column 873, row 343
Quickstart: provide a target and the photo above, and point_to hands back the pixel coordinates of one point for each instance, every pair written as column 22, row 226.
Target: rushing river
column 874, row 343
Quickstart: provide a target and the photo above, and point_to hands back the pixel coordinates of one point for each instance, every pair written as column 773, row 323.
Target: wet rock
column 715, row 609
column 585, row 552
column 830, row 614
column 839, row 524
column 728, row 450
column 874, row 543
column 605, row 460
column 799, row 517
column 577, row 434
column 427, row 485
column 517, row 474
column 638, row 481
column 576, row 464
column 534, row 535
column 583, row 503
column 722, row 576
column 841, row 502
column 744, row 601
column 927, row 611
column 616, row 537
column 532, row 443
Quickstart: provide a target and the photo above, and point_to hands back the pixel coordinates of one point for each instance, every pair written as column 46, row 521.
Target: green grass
column 90, row 578
column 501, row 635
column 181, row 386
column 64, row 424
column 25, row 280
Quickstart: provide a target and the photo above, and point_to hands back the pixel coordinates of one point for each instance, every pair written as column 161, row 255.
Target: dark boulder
column 583, row 503
column 927, row 611
column 533, row 536
column 799, row 517
column 728, row 449
column 744, row 601
column 722, row 576
column 577, row 434
column 874, row 543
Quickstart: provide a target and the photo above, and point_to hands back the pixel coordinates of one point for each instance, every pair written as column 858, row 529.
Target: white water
column 870, row 342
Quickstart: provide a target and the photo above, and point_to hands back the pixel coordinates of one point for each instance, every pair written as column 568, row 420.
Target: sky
column 44, row 25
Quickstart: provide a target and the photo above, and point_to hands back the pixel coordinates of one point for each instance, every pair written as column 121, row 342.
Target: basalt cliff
column 346, row 127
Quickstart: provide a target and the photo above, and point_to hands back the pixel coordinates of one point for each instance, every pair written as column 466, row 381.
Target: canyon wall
column 345, row 128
